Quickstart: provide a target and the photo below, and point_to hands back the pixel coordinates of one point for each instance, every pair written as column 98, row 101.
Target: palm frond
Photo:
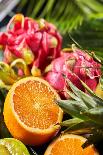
column 89, row 36
column 66, row 15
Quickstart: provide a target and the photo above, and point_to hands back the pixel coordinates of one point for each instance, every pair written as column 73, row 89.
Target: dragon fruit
column 75, row 65
column 36, row 42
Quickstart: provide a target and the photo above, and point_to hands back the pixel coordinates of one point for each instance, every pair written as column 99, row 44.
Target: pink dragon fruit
column 75, row 65
column 37, row 42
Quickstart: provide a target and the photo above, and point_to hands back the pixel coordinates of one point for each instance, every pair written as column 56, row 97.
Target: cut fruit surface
column 30, row 112
column 70, row 145
column 11, row 146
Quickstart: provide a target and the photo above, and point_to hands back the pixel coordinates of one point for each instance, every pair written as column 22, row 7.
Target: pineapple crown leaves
column 94, row 138
column 87, row 113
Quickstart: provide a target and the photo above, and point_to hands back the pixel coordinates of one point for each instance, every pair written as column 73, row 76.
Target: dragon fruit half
column 75, row 65
column 37, row 42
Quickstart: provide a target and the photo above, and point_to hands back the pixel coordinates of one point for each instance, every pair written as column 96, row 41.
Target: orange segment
column 42, row 112
column 30, row 112
column 70, row 145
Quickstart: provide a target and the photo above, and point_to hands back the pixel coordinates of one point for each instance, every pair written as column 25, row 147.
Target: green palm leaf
column 66, row 15
column 88, row 35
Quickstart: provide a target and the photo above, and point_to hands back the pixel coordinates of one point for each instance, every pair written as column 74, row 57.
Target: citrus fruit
column 70, row 145
column 30, row 112
column 99, row 91
column 12, row 146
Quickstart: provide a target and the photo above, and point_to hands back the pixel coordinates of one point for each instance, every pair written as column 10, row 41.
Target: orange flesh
column 34, row 105
column 70, row 146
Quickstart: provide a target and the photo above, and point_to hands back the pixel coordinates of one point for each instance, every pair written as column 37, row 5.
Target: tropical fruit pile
column 45, row 81
column 33, row 47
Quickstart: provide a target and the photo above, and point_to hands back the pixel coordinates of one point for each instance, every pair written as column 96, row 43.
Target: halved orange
column 30, row 112
column 69, row 144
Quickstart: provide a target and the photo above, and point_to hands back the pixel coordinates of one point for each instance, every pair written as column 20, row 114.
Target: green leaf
column 80, row 127
column 75, row 90
column 98, row 100
column 89, row 6
column 21, row 5
column 72, row 107
column 89, row 36
column 95, row 114
column 70, row 122
column 89, row 102
column 94, row 138
column 72, row 95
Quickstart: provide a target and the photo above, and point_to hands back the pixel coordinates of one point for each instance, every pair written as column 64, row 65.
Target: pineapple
column 86, row 111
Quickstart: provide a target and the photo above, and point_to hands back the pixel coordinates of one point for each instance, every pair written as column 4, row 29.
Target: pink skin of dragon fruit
column 74, row 65
column 39, row 39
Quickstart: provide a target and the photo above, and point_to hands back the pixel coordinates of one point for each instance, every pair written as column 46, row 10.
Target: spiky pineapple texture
column 86, row 111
